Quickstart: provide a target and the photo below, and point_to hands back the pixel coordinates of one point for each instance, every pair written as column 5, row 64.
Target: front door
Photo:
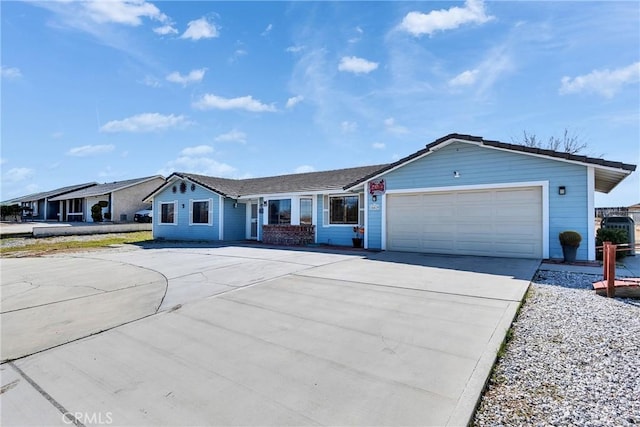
column 253, row 221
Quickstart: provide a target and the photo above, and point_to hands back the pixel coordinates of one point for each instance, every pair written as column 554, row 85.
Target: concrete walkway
column 252, row 336
column 47, row 302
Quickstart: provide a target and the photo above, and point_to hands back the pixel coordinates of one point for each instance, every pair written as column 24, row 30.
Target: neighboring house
column 41, row 204
column 460, row 195
column 634, row 212
column 122, row 199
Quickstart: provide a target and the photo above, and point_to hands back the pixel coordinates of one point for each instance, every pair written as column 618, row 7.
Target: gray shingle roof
column 51, row 193
column 100, row 189
column 294, row 183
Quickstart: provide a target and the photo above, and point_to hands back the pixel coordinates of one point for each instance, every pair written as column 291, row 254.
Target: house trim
column 591, row 214
column 220, row 218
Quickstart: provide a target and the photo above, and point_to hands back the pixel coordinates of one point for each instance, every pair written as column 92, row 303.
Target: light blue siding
column 374, row 224
column 339, row 235
column 235, row 220
column 182, row 230
column 481, row 165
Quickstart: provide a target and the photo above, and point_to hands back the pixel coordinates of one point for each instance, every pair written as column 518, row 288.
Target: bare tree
column 568, row 143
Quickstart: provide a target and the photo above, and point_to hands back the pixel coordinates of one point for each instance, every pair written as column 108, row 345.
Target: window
column 167, row 213
column 344, row 210
column 306, row 211
column 75, row 206
column 200, row 211
column 280, row 211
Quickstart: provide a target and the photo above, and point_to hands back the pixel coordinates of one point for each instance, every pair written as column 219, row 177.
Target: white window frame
column 209, row 222
column 309, row 198
column 326, row 209
column 175, row 213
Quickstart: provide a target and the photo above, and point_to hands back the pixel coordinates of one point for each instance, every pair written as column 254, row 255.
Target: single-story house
column 120, row 199
column 634, row 212
column 41, row 205
column 460, row 194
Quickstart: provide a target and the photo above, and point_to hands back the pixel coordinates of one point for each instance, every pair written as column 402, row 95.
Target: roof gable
column 608, row 174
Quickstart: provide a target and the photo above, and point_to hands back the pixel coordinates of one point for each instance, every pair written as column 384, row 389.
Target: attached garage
column 493, row 222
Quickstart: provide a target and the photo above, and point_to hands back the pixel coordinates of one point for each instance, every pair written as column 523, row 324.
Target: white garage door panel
column 499, row 222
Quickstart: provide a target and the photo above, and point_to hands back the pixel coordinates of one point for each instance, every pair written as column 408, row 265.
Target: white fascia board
column 389, row 170
column 574, row 162
column 591, row 214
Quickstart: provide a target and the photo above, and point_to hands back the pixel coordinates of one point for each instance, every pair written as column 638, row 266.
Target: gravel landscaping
column 573, row 359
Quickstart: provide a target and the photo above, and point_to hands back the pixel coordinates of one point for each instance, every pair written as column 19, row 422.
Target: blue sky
column 111, row 90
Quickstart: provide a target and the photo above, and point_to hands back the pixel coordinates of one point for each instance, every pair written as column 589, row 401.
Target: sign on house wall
column 376, row 187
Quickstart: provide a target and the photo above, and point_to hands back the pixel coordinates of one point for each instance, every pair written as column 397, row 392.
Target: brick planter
column 290, row 235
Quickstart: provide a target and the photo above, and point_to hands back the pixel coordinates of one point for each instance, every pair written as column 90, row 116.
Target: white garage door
column 498, row 222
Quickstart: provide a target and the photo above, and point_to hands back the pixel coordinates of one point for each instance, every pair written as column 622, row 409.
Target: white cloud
column 347, row 126
column 483, row 76
column 18, row 174
column 304, row 169
column 357, row 38
column 151, row 81
column 10, row 72
column 418, row 23
column 200, row 29
column 232, row 136
column 378, row 145
column 194, row 76
column 291, row 102
column 127, row 12
column 466, row 78
column 356, row 65
column 267, row 30
column 294, row 49
column 211, row 101
column 391, row 126
column 146, row 122
column 198, row 150
column 57, row 135
column 165, row 30
column 198, row 165
column 604, row 82
column 90, row 150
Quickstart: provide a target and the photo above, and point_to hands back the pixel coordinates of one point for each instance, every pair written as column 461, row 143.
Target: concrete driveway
column 257, row 336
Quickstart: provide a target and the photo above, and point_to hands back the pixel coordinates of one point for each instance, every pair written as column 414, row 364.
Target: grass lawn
column 47, row 245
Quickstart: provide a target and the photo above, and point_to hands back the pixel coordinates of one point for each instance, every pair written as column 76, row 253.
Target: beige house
column 120, row 200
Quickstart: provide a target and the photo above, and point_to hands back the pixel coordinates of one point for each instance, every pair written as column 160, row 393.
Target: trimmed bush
column 616, row 236
column 570, row 238
column 96, row 212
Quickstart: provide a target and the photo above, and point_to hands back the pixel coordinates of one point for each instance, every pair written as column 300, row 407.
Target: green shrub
column 96, row 212
column 616, row 236
column 570, row 238
column 10, row 211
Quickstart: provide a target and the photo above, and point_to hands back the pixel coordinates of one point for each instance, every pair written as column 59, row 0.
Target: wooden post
column 611, row 270
column 605, row 260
